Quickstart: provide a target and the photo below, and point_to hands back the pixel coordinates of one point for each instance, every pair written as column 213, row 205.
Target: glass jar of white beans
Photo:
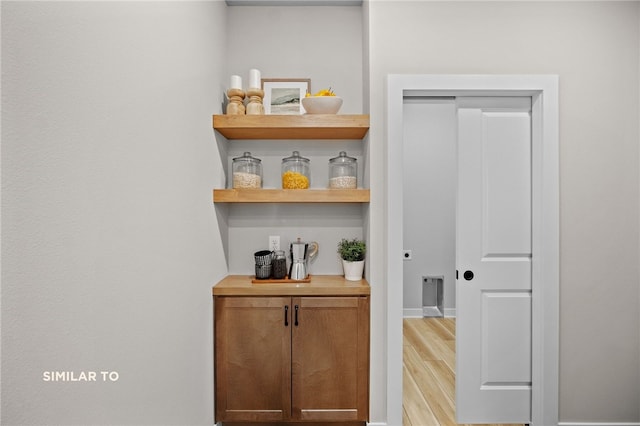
column 343, row 172
column 247, row 172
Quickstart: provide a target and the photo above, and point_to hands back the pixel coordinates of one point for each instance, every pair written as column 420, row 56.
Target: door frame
column 543, row 90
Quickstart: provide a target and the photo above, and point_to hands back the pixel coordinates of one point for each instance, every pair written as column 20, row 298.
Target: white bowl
column 322, row 104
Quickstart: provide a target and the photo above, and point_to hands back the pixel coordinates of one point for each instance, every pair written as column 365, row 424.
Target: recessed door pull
column 468, row 275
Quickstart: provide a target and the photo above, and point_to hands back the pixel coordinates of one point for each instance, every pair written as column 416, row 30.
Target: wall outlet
column 407, row 255
column 274, row 242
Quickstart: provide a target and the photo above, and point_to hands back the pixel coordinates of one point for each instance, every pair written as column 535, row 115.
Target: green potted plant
column 352, row 252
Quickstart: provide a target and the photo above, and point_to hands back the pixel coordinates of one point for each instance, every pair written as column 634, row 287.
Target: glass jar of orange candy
column 295, row 172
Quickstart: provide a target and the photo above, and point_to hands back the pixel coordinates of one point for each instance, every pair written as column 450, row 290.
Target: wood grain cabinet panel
column 330, row 359
column 252, row 359
column 292, row 359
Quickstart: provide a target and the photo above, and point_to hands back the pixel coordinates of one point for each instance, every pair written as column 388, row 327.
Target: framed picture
column 284, row 95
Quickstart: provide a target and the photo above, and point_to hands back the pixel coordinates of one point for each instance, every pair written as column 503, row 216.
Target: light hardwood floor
column 429, row 372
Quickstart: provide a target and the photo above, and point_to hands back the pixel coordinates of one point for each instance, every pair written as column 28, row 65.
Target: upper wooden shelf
column 306, row 126
column 290, row 195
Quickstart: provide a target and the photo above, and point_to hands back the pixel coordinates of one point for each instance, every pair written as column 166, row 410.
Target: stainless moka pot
column 301, row 253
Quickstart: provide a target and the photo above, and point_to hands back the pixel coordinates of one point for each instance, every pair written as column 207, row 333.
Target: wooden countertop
column 320, row 285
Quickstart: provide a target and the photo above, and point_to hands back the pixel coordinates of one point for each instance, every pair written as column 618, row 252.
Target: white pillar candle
column 236, row 82
column 254, row 78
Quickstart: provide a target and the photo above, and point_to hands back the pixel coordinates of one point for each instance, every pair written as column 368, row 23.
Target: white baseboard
column 412, row 312
column 598, row 424
column 419, row 313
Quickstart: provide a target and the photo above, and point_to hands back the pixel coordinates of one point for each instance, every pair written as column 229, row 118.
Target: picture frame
column 284, row 95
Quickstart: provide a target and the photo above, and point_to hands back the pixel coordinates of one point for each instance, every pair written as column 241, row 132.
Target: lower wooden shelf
column 291, row 195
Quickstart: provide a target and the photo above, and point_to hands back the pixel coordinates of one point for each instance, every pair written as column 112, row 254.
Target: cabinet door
column 330, row 359
column 252, row 358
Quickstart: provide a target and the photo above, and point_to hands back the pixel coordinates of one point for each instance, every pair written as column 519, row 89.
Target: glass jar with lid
column 295, row 172
column 247, row 172
column 343, row 172
column 279, row 265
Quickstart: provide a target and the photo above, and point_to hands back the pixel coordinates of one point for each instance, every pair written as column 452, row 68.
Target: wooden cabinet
column 252, row 358
column 330, row 359
column 292, row 357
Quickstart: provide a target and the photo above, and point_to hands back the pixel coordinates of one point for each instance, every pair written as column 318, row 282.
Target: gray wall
column 594, row 48
column 109, row 239
column 111, row 242
column 429, row 203
column 284, row 42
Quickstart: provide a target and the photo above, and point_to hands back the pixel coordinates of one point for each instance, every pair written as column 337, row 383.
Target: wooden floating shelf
column 290, row 195
column 306, row 126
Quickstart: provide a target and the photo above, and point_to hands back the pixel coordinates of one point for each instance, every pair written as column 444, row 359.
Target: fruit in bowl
column 322, row 102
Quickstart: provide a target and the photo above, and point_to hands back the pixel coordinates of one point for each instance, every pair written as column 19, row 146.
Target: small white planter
column 353, row 270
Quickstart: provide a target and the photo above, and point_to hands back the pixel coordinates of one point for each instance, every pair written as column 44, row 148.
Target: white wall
column 110, row 244
column 429, row 203
column 593, row 47
column 107, row 201
column 285, row 42
column 294, row 42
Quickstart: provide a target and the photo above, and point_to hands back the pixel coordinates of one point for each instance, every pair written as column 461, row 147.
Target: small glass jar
column 279, row 265
column 343, row 172
column 247, row 172
column 295, row 172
